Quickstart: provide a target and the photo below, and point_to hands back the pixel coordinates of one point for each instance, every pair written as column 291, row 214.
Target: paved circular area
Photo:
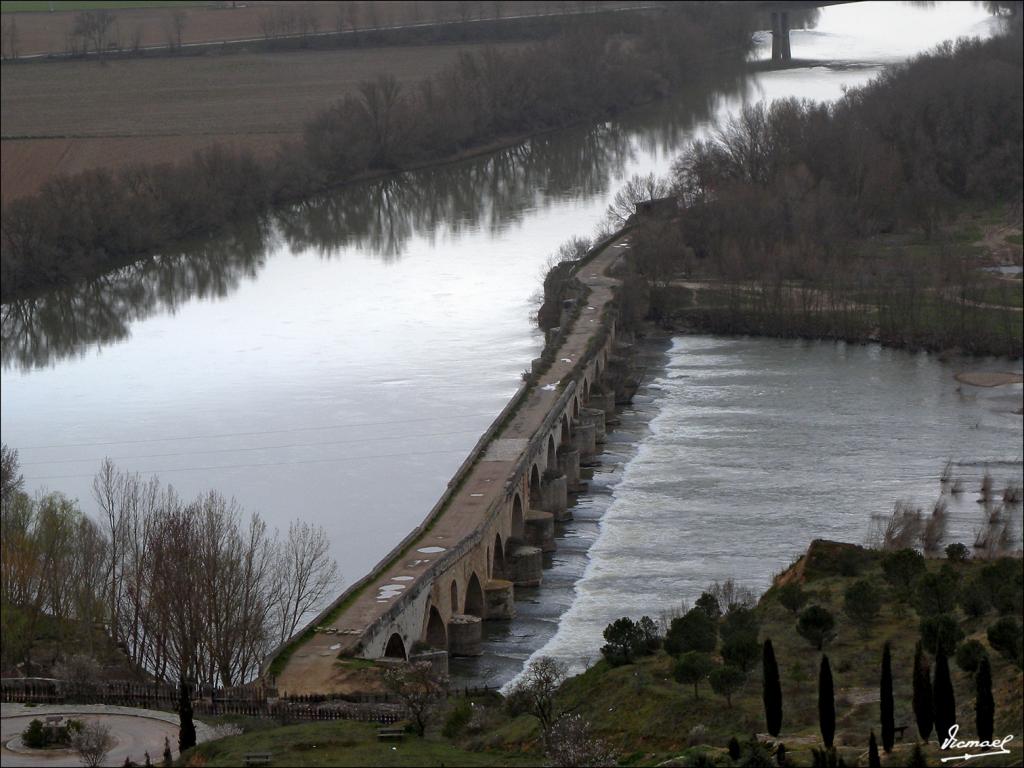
column 136, row 731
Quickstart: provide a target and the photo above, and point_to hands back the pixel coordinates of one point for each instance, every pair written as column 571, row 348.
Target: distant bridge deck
column 458, row 529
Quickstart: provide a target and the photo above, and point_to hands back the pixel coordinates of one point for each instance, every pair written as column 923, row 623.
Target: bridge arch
column 518, row 520
column 497, row 559
column 395, row 648
column 436, row 634
column 576, row 406
column 586, row 390
column 474, row 597
column 552, row 462
column 534, row 488
column 455, row 596
column 566, row 429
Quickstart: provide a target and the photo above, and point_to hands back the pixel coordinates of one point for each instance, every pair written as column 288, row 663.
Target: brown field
column 66, row 117
column 216, row 22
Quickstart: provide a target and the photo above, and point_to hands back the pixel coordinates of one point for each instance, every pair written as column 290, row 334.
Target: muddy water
column 337, row 360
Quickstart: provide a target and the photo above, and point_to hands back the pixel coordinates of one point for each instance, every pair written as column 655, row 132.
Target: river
column 337, row 360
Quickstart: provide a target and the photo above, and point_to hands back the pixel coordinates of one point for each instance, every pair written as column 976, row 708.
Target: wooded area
column 837, row 220
column 184, row 589
column 98, row 219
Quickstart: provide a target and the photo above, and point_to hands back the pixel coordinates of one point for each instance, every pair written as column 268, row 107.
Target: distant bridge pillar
column 465, row 634
column 594, row 416
column 540, row 529
column 554, row 495
column 584, row 439
column 569, row 464
column 780, row 36
column 527, row 566
column 499, row 596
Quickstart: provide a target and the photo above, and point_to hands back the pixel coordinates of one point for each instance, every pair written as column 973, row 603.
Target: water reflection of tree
column 488, row 193
column 41, row 330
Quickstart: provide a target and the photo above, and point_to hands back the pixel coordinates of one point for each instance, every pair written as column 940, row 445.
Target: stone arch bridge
column 488, row 534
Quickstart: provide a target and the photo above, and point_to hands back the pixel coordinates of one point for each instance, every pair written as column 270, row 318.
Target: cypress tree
column 187, row 729
column 772, row 690
column 887, row 707
column 826, row 703
column 873, row 759
column 984, row 704
column 924, row 714
column 944, row 701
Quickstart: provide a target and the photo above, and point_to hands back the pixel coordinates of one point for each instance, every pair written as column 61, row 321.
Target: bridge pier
column 465, row 635
column 437, row 659
column 595, row 416
column 604, row 401
column 499, row 597
column 527, row 566
column 569, row 465
column 540, row 529
column 584, row 438
column 780, row 36
column 554, row 496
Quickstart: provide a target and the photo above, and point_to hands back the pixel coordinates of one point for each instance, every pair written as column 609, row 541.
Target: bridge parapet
column 488, row 531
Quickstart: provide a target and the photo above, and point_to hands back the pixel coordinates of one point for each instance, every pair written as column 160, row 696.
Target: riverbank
column 477, row 508
column 979, row 317
column 647, row 718
column 119, row 217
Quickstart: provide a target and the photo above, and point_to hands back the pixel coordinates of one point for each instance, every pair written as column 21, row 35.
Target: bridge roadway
column 436, row 598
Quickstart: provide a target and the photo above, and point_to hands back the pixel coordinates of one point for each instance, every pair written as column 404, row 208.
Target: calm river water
column 337, row 361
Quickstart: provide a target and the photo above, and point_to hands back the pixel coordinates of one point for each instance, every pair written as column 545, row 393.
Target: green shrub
column 902, row 568
column 940, row 632
column 792, row 597
column 816, row 625
column 1006, row 637
column 969, row 655
column 34, row 736
column 957, row 553
column 458, row 718
column 695, row 631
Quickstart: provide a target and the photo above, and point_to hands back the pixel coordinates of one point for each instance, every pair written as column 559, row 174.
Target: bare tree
column 382, row 104
column 732, row 595
column 92, row 743
column 174, row 27
column 11, row 38
column 570, row 743
column 137, row 32
column 420, row 688
column 78, row 674
column 94, row 28
column 11, row 480
column 636, row 190
column 534, row 691
column 305, row 574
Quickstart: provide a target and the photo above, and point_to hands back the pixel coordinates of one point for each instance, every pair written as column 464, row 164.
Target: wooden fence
column 255, row 702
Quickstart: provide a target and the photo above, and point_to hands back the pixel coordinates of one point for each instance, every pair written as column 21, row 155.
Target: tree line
column 97, row 219
column 826, row 219
column 717, row 642
column 189, row 590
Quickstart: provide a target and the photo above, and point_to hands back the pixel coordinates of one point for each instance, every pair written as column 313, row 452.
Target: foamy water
column 759, row 446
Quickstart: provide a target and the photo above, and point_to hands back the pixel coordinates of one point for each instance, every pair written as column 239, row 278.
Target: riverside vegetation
column 869, row 219
column 97, row 220
column 734, row 680
column 158, row 588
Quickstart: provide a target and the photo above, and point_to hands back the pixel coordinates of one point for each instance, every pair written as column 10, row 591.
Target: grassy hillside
column 343, row 743
column 650, row 719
